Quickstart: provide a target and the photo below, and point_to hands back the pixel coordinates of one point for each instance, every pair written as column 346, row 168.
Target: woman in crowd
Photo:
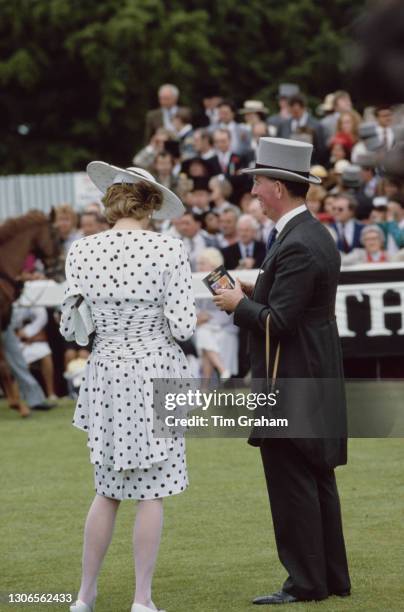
column 66, row 222
column 221, row 191
column 216, row 335
column 347, row 129
column 372, row 240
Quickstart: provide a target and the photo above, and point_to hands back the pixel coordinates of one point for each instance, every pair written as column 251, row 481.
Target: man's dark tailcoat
column 297, row 286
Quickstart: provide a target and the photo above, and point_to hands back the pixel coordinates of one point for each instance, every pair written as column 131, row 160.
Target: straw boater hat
column 253, row 106
column 104, row 175
column 281, row 158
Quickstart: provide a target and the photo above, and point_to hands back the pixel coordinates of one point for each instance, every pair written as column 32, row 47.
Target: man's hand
column 227, row 299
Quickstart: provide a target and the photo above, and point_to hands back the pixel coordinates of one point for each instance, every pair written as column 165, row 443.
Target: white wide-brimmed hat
column 104, row 175
column 281, row 158
column 253, row 106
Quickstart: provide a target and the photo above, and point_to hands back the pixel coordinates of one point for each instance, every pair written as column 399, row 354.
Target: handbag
column 83, row 323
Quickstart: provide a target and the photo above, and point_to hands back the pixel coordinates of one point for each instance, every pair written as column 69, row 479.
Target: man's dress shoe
column 276, row 598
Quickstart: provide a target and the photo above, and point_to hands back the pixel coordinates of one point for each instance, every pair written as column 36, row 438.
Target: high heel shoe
column 140, row 608
column 80, row 606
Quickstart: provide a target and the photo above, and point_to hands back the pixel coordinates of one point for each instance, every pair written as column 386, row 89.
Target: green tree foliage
column 77, row 76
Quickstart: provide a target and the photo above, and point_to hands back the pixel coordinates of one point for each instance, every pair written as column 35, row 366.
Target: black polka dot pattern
column 161, row 480
column 138, row 285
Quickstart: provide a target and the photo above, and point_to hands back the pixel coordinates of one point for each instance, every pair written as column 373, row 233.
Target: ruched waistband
column 130, row 334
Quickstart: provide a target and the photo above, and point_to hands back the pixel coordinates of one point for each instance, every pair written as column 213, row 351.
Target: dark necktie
column 271, row 238
column 345, row 246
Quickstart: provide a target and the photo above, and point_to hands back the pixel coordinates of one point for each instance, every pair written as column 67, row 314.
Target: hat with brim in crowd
column 284, row 159
column 340, row 166
column 253, row 106
column 318, row 170
column 287, row 90
column 368, row 133
column 351, row 176
column 380, row 202
column 104, row 175
column 367, row 160
column 327, row 106
column 207, row 164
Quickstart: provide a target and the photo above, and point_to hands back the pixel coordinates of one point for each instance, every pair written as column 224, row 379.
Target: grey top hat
column 286, row 90
column 351, row 176
column 281, row 158
column 368, row 133
column 367, row 130
column 104, row 175
column 367, row 160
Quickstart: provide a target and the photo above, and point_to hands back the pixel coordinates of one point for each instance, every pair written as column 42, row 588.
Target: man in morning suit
column 297, row 288
column 247, row 252
column 163, row 117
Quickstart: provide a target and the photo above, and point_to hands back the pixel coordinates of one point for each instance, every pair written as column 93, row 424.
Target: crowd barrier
column 369, row 305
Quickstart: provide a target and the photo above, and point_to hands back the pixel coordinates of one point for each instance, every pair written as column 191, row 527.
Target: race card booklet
column 219, row 278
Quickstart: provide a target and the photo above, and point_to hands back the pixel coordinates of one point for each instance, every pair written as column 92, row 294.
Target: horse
column 34, row 233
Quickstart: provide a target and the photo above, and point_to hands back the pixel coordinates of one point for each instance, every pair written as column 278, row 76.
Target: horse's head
column 46, row 240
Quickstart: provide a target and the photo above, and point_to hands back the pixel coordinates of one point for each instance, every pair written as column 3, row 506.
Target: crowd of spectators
column 199, row 153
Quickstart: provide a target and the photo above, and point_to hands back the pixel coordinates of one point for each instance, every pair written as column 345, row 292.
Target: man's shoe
column 281, row 597
column 43, row 406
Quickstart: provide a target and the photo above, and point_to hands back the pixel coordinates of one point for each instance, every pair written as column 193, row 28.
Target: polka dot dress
column 138, row 285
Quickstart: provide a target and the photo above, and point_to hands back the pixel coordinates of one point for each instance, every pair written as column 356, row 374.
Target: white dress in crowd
column 31, row 320
column 218, row 334
column 138, row 285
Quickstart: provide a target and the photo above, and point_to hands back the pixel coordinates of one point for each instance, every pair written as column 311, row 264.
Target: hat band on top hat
column 265, row 167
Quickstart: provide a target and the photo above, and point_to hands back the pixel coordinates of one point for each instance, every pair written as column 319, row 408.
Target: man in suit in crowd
column 168, row 95
column 387, row 137
column 285, row 91
column 347, row 229
column 247, row 252
column 189, row 229
column 240, row 135
column 303, row 126
column 297, row 289
column 226, row 161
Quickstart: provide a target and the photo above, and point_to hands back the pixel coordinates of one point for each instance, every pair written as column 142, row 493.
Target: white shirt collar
column 280, row 224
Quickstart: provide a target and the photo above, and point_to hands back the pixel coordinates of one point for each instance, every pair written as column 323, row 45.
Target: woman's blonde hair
column 212, row 255
column 356, row 120
column 134, row 200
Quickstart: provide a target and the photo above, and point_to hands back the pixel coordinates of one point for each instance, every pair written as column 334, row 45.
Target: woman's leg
column 146, row 541
column 47, row 372
column 216, row 360
column 97, row 537
column 206, row 366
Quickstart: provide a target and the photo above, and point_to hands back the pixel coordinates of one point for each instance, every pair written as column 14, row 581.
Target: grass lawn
column 218, row 548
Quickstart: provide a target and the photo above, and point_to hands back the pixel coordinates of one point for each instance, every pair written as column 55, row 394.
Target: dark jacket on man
column 232, row 255
column 297, row 287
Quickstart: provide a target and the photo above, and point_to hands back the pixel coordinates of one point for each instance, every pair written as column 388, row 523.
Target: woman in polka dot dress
column 138, row 285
